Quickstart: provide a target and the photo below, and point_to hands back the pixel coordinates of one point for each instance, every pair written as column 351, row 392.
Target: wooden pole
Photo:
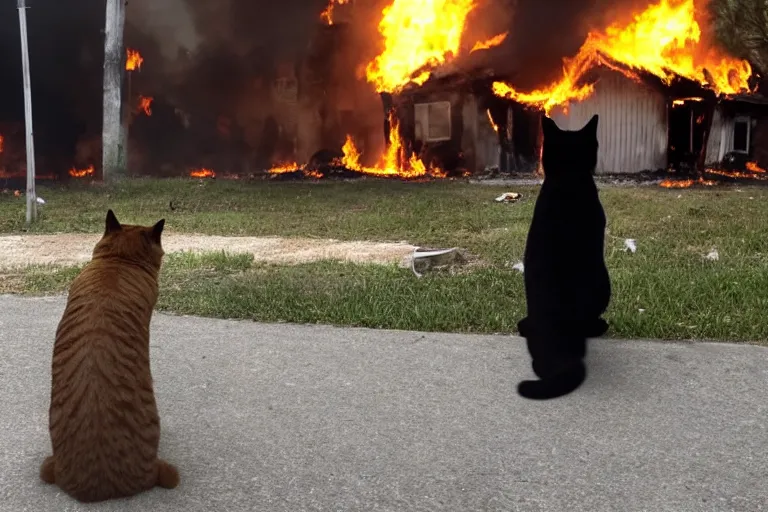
column 126, row 121
column 31, row 194
column 114, row 64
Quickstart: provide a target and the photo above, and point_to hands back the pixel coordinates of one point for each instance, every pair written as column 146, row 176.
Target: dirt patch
column 75, row 249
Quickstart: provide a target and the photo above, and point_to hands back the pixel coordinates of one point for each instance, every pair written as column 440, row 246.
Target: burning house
column 666, row 97
column 455, row 122
column 434, row 122
column 391, row 88
column 648, row 125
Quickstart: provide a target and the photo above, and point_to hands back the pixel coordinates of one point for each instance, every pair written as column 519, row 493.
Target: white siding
column 720, row 138
column 632, row 130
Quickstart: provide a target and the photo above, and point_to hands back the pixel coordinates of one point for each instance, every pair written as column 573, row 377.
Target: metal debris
column 425, row 259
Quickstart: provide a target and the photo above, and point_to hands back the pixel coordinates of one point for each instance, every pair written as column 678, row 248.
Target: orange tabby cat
column 103, row 418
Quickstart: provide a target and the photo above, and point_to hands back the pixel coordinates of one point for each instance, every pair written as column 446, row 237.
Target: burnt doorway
column 524, row 126
column 686, row 133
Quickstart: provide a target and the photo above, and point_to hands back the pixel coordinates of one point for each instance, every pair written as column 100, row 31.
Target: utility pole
column 31, row 194
column 113, row 164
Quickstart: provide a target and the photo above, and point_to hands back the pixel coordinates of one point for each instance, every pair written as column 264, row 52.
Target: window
column 741, row 134
column 433, row 121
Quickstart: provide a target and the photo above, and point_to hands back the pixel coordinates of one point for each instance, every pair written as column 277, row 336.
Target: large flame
column 394, row 163
column 418, row 36
column 664, row 40
column 133, row 60
column 327, row 14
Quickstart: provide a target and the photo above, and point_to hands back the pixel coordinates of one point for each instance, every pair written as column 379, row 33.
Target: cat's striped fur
column 104, row 423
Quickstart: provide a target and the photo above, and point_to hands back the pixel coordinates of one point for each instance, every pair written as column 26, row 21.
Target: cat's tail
column 48, row 470
column 167, row 475
column 563, row 383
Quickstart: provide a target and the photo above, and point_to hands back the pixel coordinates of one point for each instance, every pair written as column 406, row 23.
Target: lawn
column 666, row 290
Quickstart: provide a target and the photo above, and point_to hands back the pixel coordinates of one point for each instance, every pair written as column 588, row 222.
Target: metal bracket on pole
column 31, row 194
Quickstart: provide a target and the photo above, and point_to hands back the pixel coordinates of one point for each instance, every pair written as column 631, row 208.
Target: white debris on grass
column 630, row 245
column 508, row 197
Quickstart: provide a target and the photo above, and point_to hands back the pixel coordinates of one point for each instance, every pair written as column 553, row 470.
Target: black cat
column 567, row 286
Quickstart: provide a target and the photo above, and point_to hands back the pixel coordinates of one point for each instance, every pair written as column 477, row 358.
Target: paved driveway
column 292, row 418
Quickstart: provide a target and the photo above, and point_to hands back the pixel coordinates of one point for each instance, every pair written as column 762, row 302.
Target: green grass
column 681, row 294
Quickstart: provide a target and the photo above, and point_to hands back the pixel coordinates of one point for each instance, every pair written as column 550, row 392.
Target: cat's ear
column 548, row 126
column 157, row 230
column 591, row 127
column 113, row 225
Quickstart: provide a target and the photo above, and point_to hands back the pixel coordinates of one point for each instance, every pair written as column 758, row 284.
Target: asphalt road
column 293, row 418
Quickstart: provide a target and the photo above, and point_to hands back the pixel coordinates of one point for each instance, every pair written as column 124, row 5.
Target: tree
column 741, row 28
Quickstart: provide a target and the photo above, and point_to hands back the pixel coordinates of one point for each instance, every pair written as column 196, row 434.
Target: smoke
column 545, row 31
column 169, row 22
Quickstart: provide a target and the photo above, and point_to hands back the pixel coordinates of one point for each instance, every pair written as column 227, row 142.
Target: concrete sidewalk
column 292, row 418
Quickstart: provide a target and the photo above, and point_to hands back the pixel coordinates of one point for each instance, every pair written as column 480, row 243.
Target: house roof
column 755, row 98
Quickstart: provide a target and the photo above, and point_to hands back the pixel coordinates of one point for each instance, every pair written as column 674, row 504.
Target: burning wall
column 633, row 123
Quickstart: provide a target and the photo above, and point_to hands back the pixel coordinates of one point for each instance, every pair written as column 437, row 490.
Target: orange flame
column 418, row 36
column 351, row 159
column 286, row 168
column 490, row 118
column 664, row 40
column 133, row 60
column 393, row 163
column 202, row 173
column 2, row 143
column 752, row 175
column 145, row 104
column 81, row 173
column 327, row 14
column 751, row 166
column 489, row 43
column 669, row 183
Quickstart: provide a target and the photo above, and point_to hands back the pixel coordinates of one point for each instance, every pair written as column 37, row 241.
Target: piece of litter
column 40, row 200
column 713, row 255
column 680, row 196
column 508, row 197
column 641, row 310
column 424, row 259
column 630, row 245
column 520, row 267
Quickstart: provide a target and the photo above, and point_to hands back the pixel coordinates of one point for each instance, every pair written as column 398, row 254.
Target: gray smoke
column 169, row 22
